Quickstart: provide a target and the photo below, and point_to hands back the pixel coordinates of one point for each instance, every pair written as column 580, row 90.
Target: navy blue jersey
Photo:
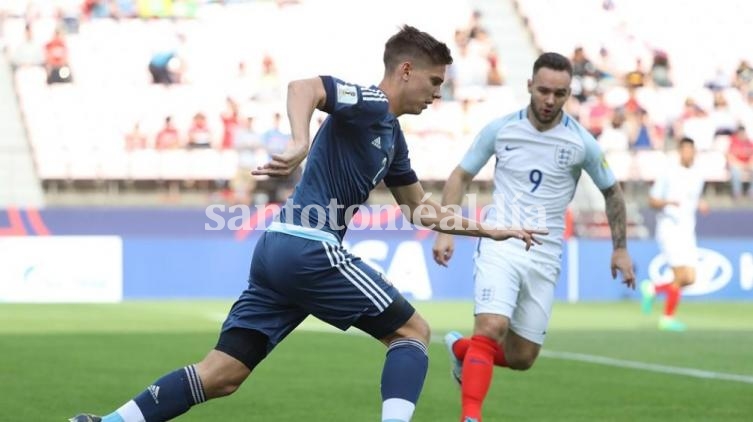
column 358, row 145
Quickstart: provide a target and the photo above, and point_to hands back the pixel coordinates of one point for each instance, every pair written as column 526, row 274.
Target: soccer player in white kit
column 676, row 194
column 540, row 152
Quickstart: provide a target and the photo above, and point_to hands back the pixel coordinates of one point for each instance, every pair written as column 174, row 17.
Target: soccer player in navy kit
column 299, row 266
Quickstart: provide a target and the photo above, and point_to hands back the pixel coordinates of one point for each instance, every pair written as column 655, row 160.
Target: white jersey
column 683, row 185
column 536, row 173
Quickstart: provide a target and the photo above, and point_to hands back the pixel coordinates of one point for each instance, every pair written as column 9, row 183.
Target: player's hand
column 285, row 163
column 443, row 248
column 703, row 207
column 621, row 262
column 526, row 235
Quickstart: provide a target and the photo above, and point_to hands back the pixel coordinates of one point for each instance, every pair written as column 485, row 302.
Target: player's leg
column 670, row 248
column 350, row 293
column 484, row 351
column 406, row 362
column 529, row 322
column 681, row 255
column 256, row 323
column 498, row 274
column 683, row 276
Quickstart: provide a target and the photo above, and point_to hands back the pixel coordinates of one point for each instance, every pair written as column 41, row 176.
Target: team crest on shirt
column 564, row 156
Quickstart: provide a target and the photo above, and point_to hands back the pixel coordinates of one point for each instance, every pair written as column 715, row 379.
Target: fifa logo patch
column 564, row 156
column 346, row 94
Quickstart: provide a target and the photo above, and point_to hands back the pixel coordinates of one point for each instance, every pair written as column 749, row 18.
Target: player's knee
column 493, row 328
column 420, row 329
column 686, row 279
column 687, row 282
column 219, row 381
column 520, row 363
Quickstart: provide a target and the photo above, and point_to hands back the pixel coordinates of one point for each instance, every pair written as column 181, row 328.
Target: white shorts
column 516, row 284
column 678, row 247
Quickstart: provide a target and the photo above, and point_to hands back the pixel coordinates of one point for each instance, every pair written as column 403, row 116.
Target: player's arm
column 421, row 210
column 658, row 203
column 452, row 194
column 657, row 196
column 616, row 215
column 598, row 169
column 478, row 154
column 304, row 96
column 617, row 218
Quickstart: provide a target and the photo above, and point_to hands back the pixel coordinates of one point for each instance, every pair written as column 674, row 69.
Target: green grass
column 57, row 360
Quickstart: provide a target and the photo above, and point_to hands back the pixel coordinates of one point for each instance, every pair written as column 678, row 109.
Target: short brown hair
column 410, row 43
column 554, row 61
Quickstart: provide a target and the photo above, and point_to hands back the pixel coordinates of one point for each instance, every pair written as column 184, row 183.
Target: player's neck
column 393, row 105
column 540, row 126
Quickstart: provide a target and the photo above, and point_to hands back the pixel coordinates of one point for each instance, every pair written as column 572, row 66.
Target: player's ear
column 530, row 86
column 405, row 70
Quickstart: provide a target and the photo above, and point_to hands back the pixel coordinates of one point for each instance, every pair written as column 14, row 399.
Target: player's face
column 422, row 87
column 687, row 154
column 549, row 91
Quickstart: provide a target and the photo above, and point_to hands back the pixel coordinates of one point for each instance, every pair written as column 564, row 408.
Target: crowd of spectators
column 628, row 111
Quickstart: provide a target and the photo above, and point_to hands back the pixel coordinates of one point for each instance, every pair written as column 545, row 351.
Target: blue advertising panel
column 161, row 254
column 724, row 270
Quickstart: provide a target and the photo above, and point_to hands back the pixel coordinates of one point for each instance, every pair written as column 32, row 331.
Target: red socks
column 673, row 297
column 460, row 348
column 478, row 367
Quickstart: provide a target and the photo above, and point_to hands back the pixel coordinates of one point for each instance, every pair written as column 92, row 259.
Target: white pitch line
column 650, row 367
column 316, row 326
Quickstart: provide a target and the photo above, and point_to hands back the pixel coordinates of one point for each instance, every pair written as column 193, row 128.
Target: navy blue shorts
column 293, row 277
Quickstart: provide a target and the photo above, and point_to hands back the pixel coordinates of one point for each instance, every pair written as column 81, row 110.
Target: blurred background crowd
column 174, row 101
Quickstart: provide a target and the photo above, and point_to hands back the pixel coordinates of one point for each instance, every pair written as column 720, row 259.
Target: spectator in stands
column 135, row 139
column 167, row 66
column 251, row 154
column 268, row 87
column 96, row 8
column 643, row 133
column 740, row 162
column 614, row 137
column 121, row 9
column 494, row 77
column 605, row 67
column 636, row 78
column 584, row 75
column 725, row 123
column 660, row 70
column 720, row 80
column 230, row 121
column 56, row 59
column 28, row 52
column 597, row 115
column 481, row 45
column 744, row 76
column 474, row 24
column 241, row 85
column 199, row 135
column 469, row 72
column 582, row 65
column 699, row 127
column 167, row 137
column 275, row 141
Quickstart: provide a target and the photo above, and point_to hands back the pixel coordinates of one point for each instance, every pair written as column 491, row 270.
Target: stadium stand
column 637, row 89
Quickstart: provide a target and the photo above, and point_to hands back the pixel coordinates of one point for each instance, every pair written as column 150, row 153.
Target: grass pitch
column 58, row 360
